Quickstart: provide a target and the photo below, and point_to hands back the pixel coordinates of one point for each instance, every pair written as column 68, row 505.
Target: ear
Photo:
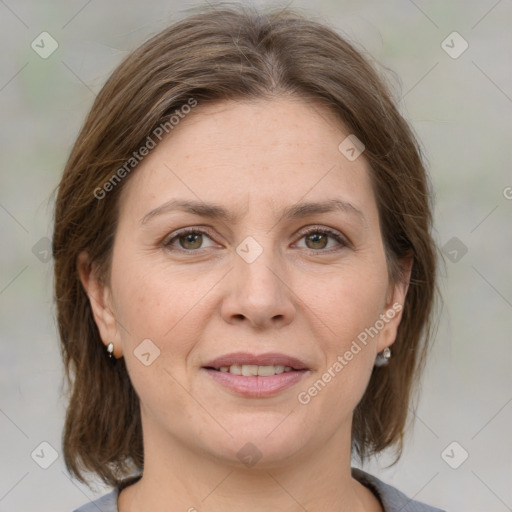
column 392, row 313
column 100, row 298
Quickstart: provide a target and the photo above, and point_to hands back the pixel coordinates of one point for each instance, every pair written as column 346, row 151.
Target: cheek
column 152, row 306
column 349, row 311
column 166, row 307
column 351, row 307
column 352, row 302
column 148, row 302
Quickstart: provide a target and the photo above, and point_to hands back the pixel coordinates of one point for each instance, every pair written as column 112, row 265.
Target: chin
column 260, row 444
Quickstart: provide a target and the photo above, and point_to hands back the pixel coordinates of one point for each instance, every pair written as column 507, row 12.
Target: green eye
column 317, row 239
column 189, row 240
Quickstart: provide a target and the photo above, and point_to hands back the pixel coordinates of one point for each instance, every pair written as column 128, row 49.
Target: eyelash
column 324, row 231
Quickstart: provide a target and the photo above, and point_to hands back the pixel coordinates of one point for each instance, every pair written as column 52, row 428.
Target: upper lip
column 268, row 359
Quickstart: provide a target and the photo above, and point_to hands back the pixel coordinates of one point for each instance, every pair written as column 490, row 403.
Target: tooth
column 266, row 371
column 249, row 370
column 252, row 370
column 236, row 369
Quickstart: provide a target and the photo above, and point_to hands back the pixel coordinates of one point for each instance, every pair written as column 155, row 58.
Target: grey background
column 460, row 108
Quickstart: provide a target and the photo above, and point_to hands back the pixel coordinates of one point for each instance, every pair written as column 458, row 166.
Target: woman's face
column 260, row 274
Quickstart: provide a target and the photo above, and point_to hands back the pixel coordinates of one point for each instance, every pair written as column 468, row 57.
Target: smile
column 253, row 370
column 256, row 376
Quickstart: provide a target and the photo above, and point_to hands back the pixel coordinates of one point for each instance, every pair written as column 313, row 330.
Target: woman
column 244, row 272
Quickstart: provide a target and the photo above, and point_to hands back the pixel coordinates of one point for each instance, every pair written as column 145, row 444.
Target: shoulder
column 392, row 499
column 107, row 503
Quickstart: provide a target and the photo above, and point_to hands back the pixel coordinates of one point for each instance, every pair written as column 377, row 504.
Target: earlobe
column 100, row 299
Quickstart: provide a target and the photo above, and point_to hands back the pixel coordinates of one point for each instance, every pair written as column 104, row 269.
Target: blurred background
column 450, row 66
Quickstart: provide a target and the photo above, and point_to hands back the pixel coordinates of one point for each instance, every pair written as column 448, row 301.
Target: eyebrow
column 215, row 211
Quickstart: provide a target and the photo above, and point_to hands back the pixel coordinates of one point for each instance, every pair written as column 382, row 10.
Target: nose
column 258, row 294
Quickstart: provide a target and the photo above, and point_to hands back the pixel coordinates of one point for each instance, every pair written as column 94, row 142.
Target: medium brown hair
column 218, row 54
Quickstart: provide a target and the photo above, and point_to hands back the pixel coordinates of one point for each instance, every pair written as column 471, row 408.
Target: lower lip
column 256, row 387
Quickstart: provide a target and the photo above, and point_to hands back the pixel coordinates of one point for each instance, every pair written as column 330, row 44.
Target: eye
column 189, row 239
column 317, row 239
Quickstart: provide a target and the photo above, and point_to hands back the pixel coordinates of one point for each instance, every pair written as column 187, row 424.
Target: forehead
column 259, row 151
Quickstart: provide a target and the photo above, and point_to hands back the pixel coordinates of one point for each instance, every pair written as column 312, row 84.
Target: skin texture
column 303, row 296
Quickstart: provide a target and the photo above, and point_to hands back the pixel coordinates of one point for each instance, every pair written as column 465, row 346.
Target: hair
column 231, row 52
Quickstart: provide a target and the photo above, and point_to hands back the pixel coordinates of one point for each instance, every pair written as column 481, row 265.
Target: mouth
column 255, row 376
column 252, row 365
column 253, row 370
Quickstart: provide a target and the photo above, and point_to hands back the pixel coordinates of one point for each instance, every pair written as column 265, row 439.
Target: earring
column 110, row 350
column 382, row 359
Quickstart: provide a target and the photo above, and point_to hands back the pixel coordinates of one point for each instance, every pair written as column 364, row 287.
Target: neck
column 180, row 479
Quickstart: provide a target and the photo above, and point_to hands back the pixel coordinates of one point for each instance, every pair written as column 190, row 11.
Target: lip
column 259, row 360
column 256, row 386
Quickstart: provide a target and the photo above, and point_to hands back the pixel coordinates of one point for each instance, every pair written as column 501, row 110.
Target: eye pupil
column 317, row 238
column 195, row 239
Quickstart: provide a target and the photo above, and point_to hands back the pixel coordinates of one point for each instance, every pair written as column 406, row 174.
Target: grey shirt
column 392, row 500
